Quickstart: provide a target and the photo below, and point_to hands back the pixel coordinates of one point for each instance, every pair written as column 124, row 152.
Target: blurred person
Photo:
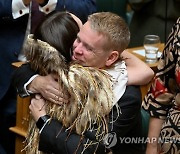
column 13, row 24
column 154, row 17
column 116, row 6
column 2, row 150
column 91, row 49
column 163, row 99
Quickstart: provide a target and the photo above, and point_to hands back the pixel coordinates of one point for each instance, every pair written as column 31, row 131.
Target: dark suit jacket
column 12, row 33
column 127, row 125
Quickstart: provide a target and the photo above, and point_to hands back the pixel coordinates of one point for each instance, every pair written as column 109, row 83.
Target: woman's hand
column 37, row 107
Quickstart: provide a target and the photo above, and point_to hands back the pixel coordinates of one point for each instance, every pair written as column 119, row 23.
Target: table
column 153, row 65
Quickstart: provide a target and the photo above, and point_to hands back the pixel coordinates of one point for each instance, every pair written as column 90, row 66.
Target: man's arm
column 60, row 140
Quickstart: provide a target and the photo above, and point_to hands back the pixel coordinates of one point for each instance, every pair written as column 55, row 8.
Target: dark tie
column 36, row 15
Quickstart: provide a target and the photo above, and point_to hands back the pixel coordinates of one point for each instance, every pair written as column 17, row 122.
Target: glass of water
column 151, row 46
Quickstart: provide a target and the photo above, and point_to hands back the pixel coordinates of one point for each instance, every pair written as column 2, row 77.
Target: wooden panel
column 22, row 118
column 23, row 113
column 17, row 64
column 20, row 145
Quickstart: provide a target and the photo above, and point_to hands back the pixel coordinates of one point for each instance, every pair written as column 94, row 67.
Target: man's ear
column 113, row 57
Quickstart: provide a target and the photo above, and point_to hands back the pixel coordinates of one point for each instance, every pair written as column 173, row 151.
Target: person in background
column 91, row 49
column 2, row 150
column 13, row 24
column 163, row 99
column 152, row 17
column 116, row 6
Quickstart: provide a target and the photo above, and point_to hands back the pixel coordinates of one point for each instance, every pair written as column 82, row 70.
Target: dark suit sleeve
column 58, row 141
column 78, row 7
column 130, row 104
column 129, row 123
column 21, row 76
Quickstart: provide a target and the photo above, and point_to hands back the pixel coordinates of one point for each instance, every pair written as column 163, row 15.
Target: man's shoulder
column 132, row 95
column 132, row 91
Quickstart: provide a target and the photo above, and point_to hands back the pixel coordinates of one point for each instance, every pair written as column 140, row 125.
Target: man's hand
column 37, row 107
column 49, row 88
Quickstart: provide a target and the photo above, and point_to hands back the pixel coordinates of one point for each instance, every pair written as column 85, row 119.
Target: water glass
column 151, row 46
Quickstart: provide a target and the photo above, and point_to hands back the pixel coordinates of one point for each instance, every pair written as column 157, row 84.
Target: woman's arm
column 155, row 126
column 139, row 73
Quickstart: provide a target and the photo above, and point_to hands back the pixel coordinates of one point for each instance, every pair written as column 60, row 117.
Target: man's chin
column 78, row 62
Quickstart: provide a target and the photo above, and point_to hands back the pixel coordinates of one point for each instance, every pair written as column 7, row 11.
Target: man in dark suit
column 13, row 24
column 88, row 52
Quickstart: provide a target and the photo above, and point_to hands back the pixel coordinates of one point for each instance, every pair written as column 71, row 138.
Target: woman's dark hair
column 59, row 30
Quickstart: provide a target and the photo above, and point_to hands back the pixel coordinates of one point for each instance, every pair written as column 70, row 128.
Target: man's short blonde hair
column 112, row 27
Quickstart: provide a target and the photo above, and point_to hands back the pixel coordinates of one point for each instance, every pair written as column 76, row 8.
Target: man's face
column 88, row 48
